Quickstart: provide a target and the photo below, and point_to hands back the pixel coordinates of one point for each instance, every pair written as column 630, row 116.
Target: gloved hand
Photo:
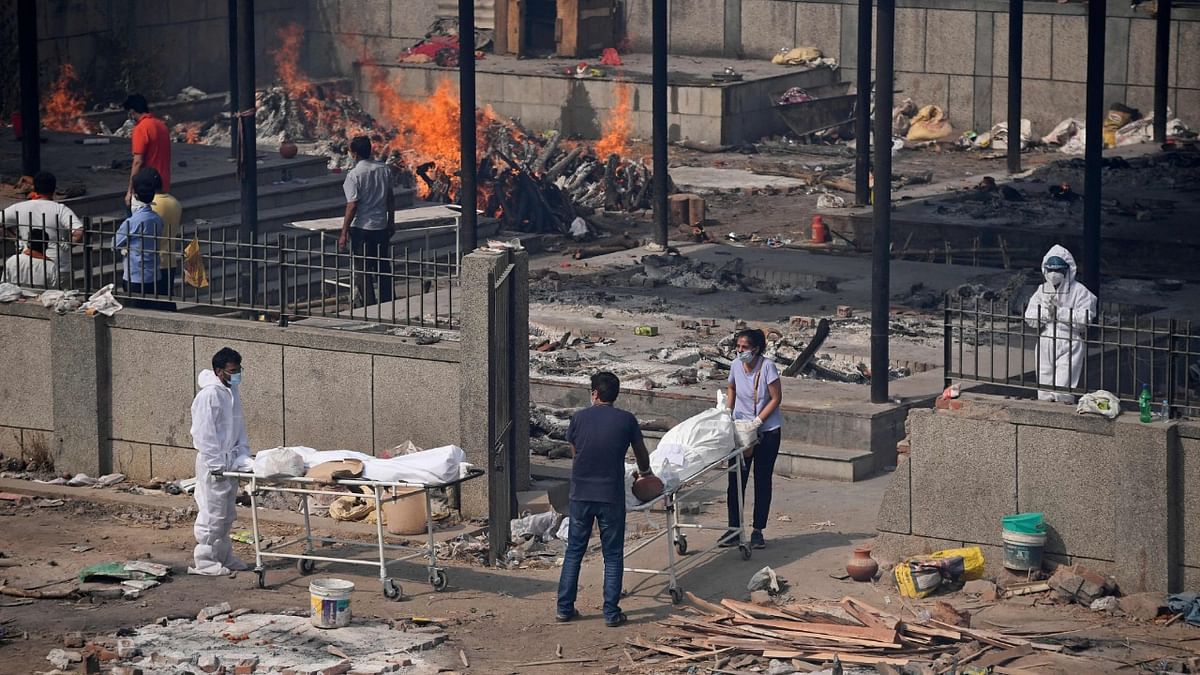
column 755, row 423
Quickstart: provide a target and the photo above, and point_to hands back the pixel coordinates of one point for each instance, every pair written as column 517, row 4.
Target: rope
column 240, row 117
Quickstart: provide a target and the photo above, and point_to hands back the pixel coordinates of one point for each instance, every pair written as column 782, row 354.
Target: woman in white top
column 755, row 393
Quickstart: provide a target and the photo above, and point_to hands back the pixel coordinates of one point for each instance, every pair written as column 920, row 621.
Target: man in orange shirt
column 151, row 145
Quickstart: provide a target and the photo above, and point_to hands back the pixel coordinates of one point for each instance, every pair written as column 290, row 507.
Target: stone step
column 193, row 187
column 804, row 460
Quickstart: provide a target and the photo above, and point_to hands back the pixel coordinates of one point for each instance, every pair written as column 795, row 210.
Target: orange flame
column 64, row 104
column 616, row 126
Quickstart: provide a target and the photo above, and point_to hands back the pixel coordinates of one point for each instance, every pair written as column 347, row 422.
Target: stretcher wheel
column 438, row 580
column 745, row 551
column 391, row 589
column 262, row 578
column 681, row 544
column 305, row 567
column 676, row 595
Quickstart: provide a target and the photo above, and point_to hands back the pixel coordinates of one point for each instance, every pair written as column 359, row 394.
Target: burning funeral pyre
column 533, row 182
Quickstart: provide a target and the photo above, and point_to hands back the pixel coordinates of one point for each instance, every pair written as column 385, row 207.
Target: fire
column 64, row 104
column 616, row 125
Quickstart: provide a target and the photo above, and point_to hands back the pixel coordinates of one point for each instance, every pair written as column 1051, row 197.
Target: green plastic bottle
column 1144, row 404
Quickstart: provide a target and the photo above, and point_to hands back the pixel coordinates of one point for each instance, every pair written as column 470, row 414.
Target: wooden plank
column 866, row 616
column 918, row 629
column 862, row 659
column 1001, row 658
column 752, row 610
column 711, row 608
column 831, row 630
column 658, row 648
column 702, row 655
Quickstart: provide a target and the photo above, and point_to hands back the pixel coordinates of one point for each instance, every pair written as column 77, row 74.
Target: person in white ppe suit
column 219, row 436
column 1060, row 309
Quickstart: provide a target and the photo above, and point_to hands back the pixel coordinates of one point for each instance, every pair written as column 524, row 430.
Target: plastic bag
column 540, row 526
column 9, row 292
column 972, row 560
column 194, row 274
column 61, row 301
column 102, row 302
column 930, row 124
column 1099, row 402
column 278, row 462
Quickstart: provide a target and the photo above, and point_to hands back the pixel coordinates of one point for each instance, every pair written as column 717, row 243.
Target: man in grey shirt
column 368, row 223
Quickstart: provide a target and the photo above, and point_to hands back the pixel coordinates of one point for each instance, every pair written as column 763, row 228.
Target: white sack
column 278, row 462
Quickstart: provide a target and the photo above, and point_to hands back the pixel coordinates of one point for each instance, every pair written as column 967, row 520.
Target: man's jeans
column 611, row 518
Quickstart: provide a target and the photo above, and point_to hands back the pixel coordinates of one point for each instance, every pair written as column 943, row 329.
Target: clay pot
column 288, row 149
column 862, row 567
column 646, row 488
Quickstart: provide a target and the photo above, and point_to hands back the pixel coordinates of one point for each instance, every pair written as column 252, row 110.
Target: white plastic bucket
column 330, row 600
column 1023, row 552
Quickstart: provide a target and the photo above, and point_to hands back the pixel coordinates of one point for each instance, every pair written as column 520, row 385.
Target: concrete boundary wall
column 114, row 394
column 954, row 53
column 1115, row 493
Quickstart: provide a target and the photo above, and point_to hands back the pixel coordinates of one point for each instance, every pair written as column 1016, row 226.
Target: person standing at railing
column 368, row 223
column 138, row 236
column 31, row 268
column 58, row 223
column 151, row 145
column 171, row 212
column 1060, row 309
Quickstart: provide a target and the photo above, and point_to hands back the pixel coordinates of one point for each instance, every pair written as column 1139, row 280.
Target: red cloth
column 610, row 57
column 152, row 141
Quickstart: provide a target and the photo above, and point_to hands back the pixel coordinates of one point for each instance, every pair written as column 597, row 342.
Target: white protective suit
column 1062, row 315
column 219, row 436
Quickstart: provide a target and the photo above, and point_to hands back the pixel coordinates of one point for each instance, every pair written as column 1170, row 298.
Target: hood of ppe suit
column 208, row 378
column 1061, row 252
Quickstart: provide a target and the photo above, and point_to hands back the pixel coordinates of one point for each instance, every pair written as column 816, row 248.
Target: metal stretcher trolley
column 376, row 491
column 674, row 531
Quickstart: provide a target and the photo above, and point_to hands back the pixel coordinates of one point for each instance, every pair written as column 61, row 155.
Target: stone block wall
column 953, row 53
column 1115, row 493
column 114, row 394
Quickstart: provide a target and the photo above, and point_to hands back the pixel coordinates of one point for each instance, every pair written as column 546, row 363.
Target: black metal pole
column 1016, row 46
column 862, row 120
column 659, row 116
column 1162, row 53
column 466, row 101
column 1094, row 144
column 31, row 121
column 885, row 29
column 234, row 141
column 248, row 150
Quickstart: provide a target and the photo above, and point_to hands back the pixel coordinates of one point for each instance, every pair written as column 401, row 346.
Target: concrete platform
column 542, row 96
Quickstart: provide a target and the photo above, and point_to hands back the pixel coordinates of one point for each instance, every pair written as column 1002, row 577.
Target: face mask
column 235, row 379
column 746, row 357
column 1056, row 278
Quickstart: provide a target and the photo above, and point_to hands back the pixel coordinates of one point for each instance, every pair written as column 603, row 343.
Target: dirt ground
column 498, row 618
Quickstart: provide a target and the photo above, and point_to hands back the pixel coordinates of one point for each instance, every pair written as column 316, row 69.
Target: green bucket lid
column 1024, row 523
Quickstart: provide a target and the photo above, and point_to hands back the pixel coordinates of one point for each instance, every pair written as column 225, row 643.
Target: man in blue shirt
column 139, row 236
column 599, row 437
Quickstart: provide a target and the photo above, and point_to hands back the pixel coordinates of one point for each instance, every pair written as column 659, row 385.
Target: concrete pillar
column 1145, row 515
column 478, row 386
column 81, row 391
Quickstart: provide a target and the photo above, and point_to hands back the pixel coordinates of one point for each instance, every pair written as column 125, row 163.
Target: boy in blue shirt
column 139, row 236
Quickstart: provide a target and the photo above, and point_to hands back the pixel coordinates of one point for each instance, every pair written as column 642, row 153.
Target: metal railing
column 1120, row 350
column 283, row 275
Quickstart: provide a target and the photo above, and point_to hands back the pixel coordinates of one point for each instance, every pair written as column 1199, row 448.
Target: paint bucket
column 1022, row 551
column 330, row 602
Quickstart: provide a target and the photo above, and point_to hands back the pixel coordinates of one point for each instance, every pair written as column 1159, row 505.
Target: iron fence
column 282, row 275
column 1119, row 350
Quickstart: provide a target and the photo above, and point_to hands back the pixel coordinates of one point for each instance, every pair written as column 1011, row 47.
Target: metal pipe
column 1016, row 47
column 862, row 108
column 234, row 141
column 1162, row 54
column 659, row 116
column 31, row 121
column 885, row 28
column 466, row 97
column 248, row 150
column 1094, row 145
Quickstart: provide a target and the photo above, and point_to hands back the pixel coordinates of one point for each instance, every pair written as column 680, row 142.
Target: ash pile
column 705, row 277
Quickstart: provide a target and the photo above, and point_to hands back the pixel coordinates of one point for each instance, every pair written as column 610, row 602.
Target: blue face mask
column 235, row 379
column 746, row 357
